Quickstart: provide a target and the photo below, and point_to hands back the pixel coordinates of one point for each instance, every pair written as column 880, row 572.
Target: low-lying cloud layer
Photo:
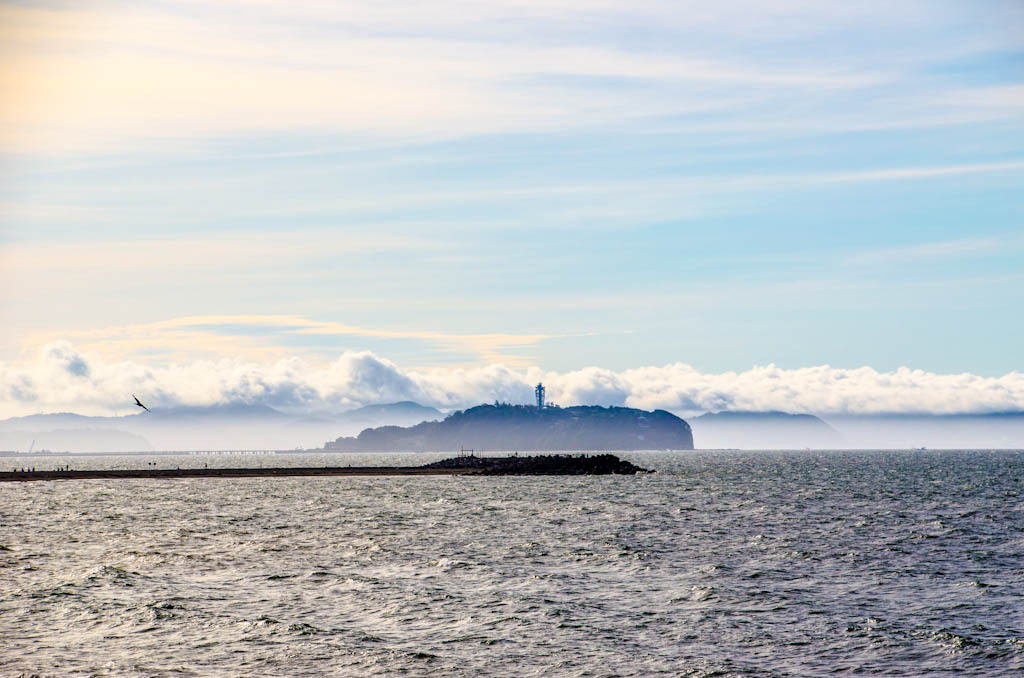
column 62, row 379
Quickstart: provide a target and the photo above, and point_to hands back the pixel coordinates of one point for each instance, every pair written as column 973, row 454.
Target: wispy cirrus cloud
column 132, row 75
column 494, row 173
column 219, row 251
column 897, row 173
column 935, row 250
column 265, row 337
column 688, row 193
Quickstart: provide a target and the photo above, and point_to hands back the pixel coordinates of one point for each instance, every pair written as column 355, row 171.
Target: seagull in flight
column 139, row 403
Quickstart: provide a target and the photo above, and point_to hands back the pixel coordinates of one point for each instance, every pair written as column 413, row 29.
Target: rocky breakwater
column 467, row 465
column 542, row 465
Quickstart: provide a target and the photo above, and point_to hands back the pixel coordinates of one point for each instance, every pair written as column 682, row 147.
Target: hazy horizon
column 242, row 426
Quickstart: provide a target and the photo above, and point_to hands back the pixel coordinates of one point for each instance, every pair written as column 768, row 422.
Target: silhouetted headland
column 466, row 465
column 500, row 427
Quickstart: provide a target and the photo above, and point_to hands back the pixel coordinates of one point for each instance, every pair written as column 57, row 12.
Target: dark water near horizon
column 722, row 564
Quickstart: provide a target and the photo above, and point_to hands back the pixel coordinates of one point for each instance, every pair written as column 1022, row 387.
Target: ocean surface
column 721, row 564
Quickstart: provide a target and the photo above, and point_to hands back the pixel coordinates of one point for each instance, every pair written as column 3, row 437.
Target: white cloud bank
column 60, row 378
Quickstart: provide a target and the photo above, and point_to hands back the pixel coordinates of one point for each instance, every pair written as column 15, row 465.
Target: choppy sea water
column 720, row 564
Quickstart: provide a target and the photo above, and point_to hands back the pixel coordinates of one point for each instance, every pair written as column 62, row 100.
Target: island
column 503, row 427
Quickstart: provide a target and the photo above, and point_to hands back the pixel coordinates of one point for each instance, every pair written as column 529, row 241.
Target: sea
column 722, row 563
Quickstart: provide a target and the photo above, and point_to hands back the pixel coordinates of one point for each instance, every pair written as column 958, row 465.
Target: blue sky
column 556, row 185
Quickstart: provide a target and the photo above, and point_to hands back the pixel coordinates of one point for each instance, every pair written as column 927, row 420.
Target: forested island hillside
column 503, row 427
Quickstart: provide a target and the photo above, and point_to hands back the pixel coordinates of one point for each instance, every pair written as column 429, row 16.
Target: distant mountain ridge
column 995, row 430
column 525, row 427
column 404, row 413
column 228, row 426
column 779, row 430
column 763, row 430
column 77, row 440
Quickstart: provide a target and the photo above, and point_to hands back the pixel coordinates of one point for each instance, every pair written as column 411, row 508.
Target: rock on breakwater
column 545, row 464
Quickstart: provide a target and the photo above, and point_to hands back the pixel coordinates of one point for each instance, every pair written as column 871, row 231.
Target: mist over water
column 723, row 563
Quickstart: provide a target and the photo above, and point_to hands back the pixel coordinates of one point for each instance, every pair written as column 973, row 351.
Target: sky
column 791, row 205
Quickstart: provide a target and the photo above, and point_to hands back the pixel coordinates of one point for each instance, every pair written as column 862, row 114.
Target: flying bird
column 139, row 403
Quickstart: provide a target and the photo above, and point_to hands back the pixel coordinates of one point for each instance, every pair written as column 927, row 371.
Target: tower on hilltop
column 540, row 396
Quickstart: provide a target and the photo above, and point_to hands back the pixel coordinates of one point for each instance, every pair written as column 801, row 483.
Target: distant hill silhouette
column 223, row 426
column 951, row 431
column 73, row 440
column 405, row 413
column 218, row 411
column 525, row 427
column 763, row 430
